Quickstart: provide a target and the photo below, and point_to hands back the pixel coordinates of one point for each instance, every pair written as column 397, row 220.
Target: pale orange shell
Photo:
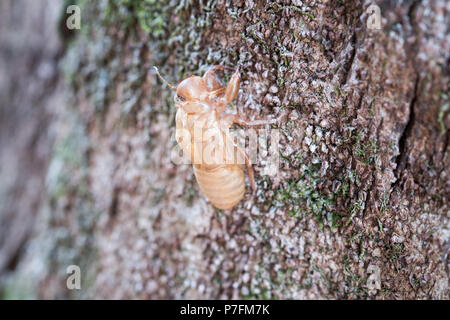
column 205, row 140
column 224, row 186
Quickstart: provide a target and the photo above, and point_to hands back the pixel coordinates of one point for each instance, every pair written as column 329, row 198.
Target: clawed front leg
column 223, row 95
column 232, row 89
column 226, row 121
column 251, row 178
column 211, row 80
column 229, row 93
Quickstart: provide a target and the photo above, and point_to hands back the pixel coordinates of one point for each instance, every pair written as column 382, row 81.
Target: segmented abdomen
column 224, row 185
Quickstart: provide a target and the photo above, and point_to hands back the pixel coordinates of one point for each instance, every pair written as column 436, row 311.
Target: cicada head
column 192, row 89
column 191, row 94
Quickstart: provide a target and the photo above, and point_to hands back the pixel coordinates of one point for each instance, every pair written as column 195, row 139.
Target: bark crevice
column 401, row 159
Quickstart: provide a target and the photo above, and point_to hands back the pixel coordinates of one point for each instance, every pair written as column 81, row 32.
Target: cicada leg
column 251, row 176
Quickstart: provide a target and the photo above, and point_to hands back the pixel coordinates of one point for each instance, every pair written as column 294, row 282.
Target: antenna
column 164, row 80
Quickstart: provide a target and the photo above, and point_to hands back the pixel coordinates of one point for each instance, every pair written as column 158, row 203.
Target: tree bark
column 359, row 208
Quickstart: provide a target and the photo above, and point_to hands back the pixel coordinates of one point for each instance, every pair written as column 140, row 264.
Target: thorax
column 199, row 122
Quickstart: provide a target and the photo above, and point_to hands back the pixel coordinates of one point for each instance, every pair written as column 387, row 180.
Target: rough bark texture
column 364, row 178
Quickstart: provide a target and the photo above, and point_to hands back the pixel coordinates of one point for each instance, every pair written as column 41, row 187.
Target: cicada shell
column 202, row 132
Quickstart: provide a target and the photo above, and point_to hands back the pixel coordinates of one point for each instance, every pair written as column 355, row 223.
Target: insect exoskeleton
column 224, row 185
column 202, row 132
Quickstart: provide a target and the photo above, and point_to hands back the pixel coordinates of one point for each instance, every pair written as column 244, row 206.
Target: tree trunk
column 358, row 209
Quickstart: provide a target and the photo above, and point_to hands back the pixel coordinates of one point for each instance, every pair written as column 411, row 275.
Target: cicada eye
column 179, row 99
